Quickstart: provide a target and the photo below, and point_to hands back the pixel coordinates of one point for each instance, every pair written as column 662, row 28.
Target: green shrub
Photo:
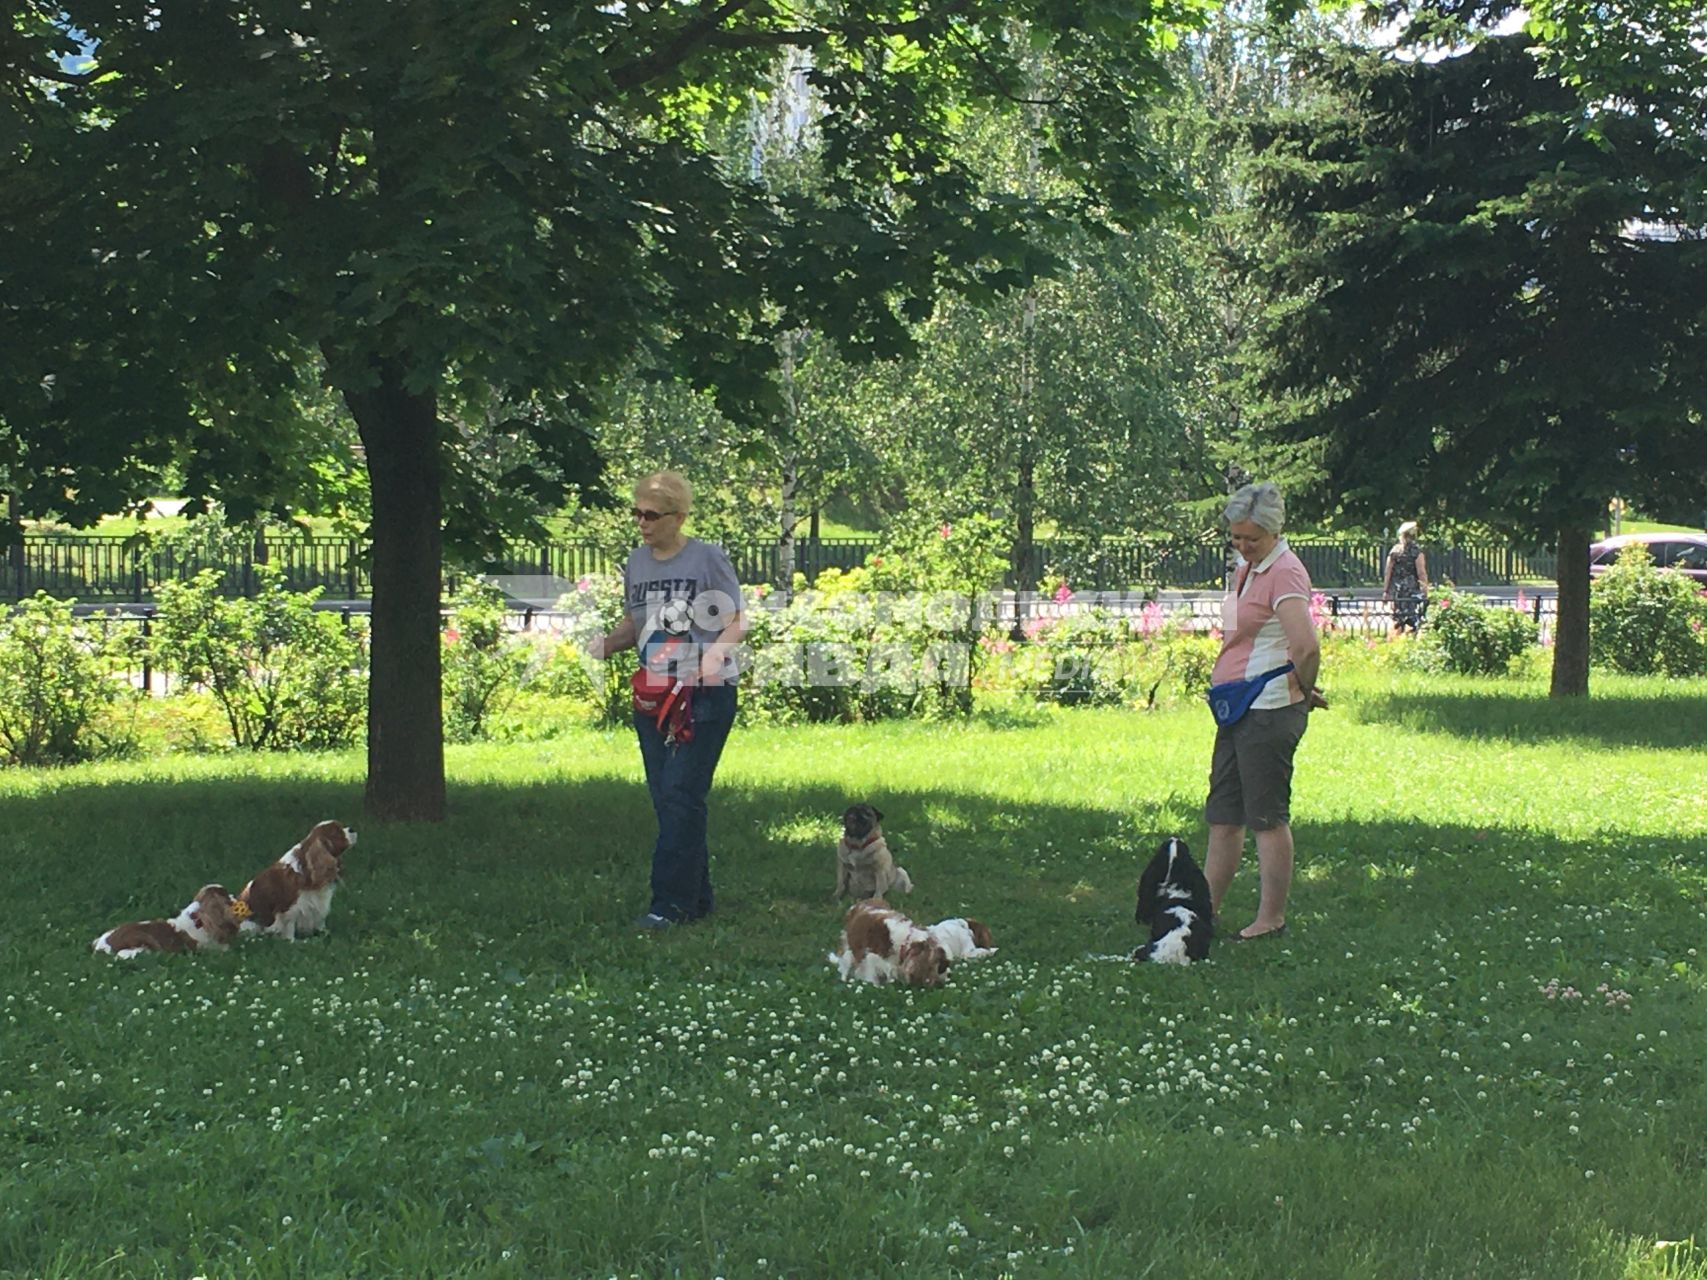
column 1080, row 658
column 861, row 646
column 483, row 666
column 565, row 671
column 962, row 558
column 284, row 675
column 1471, row 638
column 54, row 690
column 1647, row 621
column 1174, row 665
column 594, row 609
column 1092, row 656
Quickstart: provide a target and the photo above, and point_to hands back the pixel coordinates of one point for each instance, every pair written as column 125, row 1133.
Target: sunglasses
column 649, row 516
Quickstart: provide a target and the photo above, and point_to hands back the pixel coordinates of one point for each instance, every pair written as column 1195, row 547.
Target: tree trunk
column 1570, row 628
column 1022, row 556
column 405, row 729
column 14, row 550
column 789, row 518
column 789, row 521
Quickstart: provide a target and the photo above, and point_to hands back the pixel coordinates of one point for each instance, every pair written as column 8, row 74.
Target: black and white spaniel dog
column 1174, row 906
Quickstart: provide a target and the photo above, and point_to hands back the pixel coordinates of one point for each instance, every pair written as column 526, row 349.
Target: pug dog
column 864, row 866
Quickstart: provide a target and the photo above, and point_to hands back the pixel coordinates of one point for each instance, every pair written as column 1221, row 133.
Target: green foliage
column 1468, row 637
column 285, row 675
column 1645, row 54
column 1474, row 303
column 962, row 556
column 471, row 227
column 896, row 637
column 54, row 690
column 1090, row 657
column 1647, row 621
column 1059, row 407
column 483, row 666
column 844, row 650
column 594, row 610
column 1458, row 304
column 1083, row 653
column 609, row 164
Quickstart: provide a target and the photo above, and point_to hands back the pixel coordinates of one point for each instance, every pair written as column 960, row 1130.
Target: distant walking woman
column 1264, row 688
column 683, row 613
column 1406, row 581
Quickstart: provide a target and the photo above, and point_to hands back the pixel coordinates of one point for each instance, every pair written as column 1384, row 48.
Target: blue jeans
column 679, row 779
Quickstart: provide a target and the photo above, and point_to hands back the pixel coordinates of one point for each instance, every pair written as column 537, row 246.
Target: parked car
column 1685, row 552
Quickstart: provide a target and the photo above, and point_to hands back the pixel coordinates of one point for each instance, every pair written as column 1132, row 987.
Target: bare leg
column 1226, row 848
column 1274, row 856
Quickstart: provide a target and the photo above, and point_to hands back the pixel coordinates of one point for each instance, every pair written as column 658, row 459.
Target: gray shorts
column 1250, row 774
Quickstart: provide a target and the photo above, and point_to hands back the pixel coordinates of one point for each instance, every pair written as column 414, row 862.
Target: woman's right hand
column 602, row 646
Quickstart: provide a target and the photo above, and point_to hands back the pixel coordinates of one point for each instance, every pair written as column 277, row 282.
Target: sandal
column 1258, row 937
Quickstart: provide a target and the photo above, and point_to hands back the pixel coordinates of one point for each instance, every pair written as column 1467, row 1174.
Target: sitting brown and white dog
column 294, row 895
column 208, row 923
column 864, row 866
column 880, row 946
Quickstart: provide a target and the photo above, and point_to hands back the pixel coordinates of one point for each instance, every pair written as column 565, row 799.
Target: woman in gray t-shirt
column 684, row 614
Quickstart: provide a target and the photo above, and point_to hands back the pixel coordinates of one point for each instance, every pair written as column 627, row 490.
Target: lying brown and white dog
column 294, row 895
column 864, row 866
column 882, row 946
column 208, row 923
column 963, row 938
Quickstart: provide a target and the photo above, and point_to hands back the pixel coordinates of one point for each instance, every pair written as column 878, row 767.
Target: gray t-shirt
column 694, row 593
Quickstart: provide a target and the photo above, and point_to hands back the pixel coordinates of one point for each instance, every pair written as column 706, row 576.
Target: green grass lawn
column 481, row 1071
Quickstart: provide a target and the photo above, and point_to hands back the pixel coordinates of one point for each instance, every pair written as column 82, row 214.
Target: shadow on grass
column 1676, row 720
column 555, row 869
column 553, row 873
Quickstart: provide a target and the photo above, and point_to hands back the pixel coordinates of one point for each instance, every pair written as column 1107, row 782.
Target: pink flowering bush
column 1092, row 657
column 1320, row 617
column 1467, row 637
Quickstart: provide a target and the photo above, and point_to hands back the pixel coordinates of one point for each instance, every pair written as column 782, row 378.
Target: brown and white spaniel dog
column 294, row 895
column 963, row 938
column 880, row 945
column 208, row 923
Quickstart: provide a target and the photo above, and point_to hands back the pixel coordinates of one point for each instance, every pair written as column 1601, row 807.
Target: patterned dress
column 1408, row 599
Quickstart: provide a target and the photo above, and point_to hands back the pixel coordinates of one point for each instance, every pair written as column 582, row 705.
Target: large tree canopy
column 1482, row 307
column 459, row 211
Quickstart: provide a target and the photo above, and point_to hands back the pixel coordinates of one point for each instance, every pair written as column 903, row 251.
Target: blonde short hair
column 1408, row 531
column 670, row 489
column 1261, row 504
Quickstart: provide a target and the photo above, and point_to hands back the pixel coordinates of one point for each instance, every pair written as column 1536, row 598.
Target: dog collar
column 870, row 839
column 240, row 909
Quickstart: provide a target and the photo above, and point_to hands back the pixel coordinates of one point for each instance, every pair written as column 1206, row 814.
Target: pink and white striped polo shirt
column 1253, row 640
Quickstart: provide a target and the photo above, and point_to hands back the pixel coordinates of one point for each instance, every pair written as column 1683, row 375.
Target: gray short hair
column 1259, row 503
column 666, row 487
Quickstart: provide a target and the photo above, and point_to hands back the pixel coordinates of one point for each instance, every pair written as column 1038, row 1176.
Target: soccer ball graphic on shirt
column 675, row 616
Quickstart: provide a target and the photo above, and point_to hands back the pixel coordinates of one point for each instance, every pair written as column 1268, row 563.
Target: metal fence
column 122, row 569
column 1021, row 611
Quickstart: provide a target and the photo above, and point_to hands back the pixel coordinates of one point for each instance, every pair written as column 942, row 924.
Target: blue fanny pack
column 1229, row 702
